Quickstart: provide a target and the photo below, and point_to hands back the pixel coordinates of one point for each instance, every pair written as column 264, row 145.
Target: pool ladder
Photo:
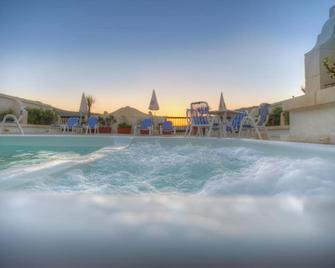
column 16, row 121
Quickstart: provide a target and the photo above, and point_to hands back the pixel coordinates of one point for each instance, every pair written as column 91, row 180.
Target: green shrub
column 287, row 118
column 106, row 120
column 9, row 111
column 41, row 117
column 274, row 118
column 124, row 125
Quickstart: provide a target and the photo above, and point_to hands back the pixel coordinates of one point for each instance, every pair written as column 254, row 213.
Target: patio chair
column 234, row 125
column 167, row 128
column 188, row 121
column 198, row 117
column 92, row 124
column 146, row 127
column 72, row 124
column 257, row 124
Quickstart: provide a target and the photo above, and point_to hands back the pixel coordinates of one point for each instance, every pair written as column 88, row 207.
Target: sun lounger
column 257, row 124
column 198, row 118
column 146, row 127
column 167, row 128
column 71, row 125
column 92, row 124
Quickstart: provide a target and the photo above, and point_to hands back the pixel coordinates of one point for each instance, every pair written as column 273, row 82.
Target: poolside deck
column 276, row 133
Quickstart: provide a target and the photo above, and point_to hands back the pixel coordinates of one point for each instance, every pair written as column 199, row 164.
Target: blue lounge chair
column 235, row 123
column 92, row 124
column 146, row 126
column 198, row 117
column 257, row 124
column 167, row 128
column 71, row 125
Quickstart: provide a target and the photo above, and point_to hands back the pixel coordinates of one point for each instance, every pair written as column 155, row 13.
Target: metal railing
column 179, row 122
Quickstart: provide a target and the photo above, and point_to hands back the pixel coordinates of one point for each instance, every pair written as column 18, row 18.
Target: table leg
column 210, row 127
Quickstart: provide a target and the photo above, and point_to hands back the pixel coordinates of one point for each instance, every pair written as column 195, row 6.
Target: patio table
column 222, row 119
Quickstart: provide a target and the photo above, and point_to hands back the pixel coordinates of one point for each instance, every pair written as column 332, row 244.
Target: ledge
column 273, row 128
column 312, row 99
column 26, row 125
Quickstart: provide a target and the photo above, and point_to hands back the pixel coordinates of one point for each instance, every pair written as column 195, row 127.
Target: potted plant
column 105, row 124
column 124, row 128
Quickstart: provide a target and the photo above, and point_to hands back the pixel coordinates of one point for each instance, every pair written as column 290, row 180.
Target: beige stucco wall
column 313, row 124
column 316, row 75
column 312, row 116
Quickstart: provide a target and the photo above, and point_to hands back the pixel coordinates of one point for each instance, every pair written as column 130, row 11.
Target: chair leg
column 266, row 133
column 258, row 133
column 190, row 130
column 256, row 128
column 210, row 128
column 241, row 126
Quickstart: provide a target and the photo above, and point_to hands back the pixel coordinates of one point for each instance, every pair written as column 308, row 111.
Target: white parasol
column 222, row 104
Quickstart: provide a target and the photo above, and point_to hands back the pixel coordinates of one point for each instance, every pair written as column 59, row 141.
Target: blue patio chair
column 72, row 124
column 167, row 128
column 92, row 124
column 257, row 124
column 235, row 123
column 146, row 125
column 198, row 117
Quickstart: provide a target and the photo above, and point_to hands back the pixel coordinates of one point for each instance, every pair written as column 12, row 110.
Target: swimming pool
column 199, row 201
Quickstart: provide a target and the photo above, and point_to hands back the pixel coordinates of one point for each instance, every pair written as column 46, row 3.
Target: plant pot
column 122, row 130
column 167, row 132
column 105, row 130
column 144, row 132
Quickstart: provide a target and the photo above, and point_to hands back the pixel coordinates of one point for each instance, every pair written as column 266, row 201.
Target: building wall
column 313, row 124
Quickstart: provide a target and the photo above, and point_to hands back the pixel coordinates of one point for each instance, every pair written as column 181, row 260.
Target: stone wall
column 312, row 116
column 314, row 124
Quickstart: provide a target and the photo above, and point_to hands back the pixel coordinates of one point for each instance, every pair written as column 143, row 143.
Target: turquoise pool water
column 124, row 165
column 79, row 201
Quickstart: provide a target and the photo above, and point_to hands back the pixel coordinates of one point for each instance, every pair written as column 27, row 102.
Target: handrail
column 179, row 122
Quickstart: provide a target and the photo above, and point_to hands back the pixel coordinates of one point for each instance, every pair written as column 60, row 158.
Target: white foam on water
column 198, row 170
column 44, row 165
column 273, row 176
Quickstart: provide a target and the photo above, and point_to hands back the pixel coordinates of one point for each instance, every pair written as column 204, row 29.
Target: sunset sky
column 118, row 51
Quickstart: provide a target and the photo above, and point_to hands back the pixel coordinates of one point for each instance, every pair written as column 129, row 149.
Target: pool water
column 164, row 166
column 104, row 201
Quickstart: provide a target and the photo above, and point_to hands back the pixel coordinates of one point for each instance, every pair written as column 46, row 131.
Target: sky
column 187, row 50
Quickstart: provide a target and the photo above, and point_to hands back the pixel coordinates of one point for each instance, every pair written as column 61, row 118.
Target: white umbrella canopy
column 83, row 109
column 222, row 104
column 153, row 106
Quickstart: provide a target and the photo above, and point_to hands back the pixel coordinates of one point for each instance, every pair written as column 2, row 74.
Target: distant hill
column 128, row 114
column 7, row 101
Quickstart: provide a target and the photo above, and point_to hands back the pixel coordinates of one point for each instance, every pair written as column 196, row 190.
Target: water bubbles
column 145, row 167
